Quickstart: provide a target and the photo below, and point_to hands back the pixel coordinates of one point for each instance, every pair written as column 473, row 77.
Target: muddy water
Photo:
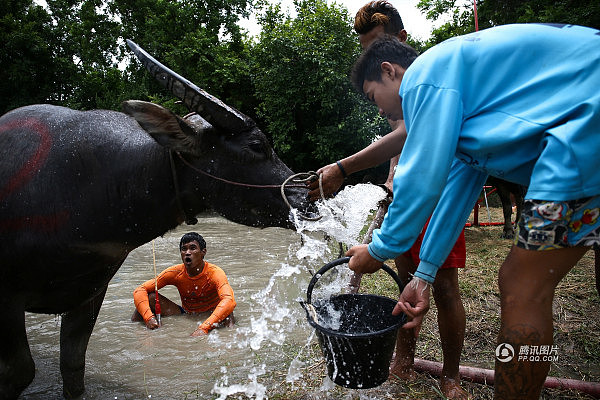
column 269, row 270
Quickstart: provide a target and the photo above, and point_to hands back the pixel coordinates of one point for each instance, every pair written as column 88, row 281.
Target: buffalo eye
column 257, row 146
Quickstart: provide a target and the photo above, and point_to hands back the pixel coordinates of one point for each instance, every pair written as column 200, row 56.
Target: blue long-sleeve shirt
column 519, row 102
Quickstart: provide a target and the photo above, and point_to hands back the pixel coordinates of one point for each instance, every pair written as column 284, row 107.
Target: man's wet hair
column 375, row 13
column 190, row 237
column 386, row 48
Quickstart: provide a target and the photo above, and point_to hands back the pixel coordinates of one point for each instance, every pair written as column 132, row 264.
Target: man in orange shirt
column 202, row 287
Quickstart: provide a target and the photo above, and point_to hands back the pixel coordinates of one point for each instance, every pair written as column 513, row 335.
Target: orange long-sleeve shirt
column 209, row 290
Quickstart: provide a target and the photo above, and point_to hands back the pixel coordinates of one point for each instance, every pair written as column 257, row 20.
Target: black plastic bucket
column 356, row 332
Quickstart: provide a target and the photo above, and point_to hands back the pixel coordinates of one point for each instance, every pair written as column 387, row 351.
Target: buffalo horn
column 214, row 110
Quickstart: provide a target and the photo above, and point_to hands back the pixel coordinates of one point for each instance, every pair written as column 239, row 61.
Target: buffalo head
column 219, row 141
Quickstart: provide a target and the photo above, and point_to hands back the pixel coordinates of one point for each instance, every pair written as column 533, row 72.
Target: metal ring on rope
column 303, row 177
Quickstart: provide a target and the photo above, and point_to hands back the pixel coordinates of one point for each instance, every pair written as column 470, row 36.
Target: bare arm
column 377, row 152
column 374, row 154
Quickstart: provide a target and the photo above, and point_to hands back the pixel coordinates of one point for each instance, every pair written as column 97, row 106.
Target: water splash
column 252, row 389
column 295, row 369
column 344, row 217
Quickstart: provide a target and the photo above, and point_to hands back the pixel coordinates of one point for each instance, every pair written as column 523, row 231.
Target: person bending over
column 373, row 20
column 519, row 102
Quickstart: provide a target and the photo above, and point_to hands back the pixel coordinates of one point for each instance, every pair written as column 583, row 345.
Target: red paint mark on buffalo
column 28, row 170
column 39, row 223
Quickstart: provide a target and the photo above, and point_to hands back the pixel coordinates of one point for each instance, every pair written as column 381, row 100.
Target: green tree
column 198, row 39
column 63, row 54
column 85, row 41
column 69, row 53
column 576, row 12
column 26, row 56
column 500, row 12
column 300, row 69
column 461, row 16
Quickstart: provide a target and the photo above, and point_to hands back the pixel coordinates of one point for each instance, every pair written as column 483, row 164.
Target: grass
column 576, row 316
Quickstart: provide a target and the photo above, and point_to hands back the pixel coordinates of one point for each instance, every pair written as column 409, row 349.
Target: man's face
column 366, row 39
column 191, row 254
column 385, row 92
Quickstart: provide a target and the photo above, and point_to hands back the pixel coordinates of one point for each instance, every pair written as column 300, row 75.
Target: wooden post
column 375, row 224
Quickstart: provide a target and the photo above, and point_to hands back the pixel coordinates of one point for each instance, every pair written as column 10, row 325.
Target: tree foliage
column 69, row 52
column 500, row 12
column 576, row 12
column 26, row 59
column 292, row 78
column 300, row 69
column 85, row 40
column 199, row 39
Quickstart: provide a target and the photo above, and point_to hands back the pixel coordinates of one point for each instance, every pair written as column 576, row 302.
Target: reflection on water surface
column 268, row 270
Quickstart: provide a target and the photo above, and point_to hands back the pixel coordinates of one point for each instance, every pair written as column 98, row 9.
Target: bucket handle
column 345, row 260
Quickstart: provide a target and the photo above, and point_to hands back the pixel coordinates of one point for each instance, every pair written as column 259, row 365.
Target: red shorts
column 456, row 259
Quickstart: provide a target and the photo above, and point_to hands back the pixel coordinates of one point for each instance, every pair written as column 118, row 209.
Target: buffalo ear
column 166, row 128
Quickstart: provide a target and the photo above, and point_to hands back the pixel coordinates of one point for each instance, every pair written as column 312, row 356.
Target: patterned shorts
column 547, row 225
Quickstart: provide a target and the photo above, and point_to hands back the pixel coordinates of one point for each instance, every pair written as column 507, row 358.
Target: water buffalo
column 505, row 189
column 80, row 190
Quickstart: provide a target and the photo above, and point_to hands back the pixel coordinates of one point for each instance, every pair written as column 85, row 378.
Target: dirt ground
column 576, row 322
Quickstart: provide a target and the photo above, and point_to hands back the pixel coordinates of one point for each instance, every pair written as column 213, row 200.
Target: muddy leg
column 508, row 231
column 16, row 365
column 75, row 331
column 451, row 322
column 527, row 281
column 519, row 195
column 403, row 362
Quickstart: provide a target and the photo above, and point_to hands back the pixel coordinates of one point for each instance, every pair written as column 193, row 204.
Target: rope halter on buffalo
column 298, row 180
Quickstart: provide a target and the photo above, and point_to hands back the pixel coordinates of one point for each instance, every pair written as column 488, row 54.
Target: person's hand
column 331, row 180
column 361, row 261
column 152, row 323
column 414, row 302
column 199, row 332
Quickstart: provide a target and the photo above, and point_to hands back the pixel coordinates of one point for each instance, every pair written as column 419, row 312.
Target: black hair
column 386, row 48
column 190, row 237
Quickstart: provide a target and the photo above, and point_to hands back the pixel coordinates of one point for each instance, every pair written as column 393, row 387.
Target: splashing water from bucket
column 344, row 217
column 357, row 332
column 270, row 344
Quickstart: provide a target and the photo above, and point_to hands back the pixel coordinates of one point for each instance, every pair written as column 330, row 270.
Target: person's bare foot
column 402, row 372
column 452, row 390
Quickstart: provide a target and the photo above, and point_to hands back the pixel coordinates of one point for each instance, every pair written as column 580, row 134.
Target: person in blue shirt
column 376, row 18
column 519, row 102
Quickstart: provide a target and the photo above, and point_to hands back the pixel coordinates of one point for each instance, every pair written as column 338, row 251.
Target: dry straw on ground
column 576, row 333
